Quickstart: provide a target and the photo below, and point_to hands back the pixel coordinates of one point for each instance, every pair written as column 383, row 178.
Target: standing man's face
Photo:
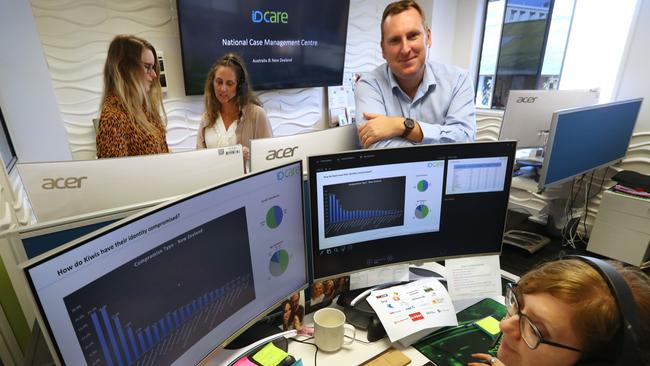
column 404, row 45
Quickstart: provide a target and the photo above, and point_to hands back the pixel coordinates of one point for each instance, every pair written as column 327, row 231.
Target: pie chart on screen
column 421, row 211
column 279, row 262
column 274, row 217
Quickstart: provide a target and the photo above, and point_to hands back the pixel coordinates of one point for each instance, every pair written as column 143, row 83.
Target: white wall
column 26, row 94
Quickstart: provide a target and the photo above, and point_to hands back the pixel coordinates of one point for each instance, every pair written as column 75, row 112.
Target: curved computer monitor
column 378, row 207
column 587, row 138
column 528, row 114
column 169, row 285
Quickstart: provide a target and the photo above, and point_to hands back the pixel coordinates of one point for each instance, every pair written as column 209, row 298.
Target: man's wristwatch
column 409, row 124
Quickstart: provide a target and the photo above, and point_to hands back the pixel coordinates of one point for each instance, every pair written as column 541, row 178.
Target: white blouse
column 218, row 136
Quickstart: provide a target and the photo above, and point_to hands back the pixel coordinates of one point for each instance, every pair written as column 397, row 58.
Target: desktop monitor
column 378, row 207
column 587, row 138
column 169, row 285
column 269, row 152
column 69, row 188
column 528, row 114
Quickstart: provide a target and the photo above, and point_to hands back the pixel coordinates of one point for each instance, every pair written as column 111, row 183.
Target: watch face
column 409, row 123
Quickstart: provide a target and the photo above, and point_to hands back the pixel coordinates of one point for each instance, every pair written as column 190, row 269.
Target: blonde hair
column 244, row 94
column 596, row 321
column 123, row 79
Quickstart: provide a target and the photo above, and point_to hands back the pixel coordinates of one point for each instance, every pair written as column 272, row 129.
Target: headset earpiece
column 629, row 352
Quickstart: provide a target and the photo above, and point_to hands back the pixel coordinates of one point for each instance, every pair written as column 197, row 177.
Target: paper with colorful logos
column 413, row 307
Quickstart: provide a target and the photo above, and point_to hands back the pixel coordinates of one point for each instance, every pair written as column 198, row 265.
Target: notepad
column 270, row 355
column 490, row 325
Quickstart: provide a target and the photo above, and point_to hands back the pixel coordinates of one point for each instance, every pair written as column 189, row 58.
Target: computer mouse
column 375, row 330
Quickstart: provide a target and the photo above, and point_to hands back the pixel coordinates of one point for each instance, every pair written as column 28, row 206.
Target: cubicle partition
column 59, row 190
column 274, row 151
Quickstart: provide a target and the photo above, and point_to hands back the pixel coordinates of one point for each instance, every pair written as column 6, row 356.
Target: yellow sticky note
column 490, row 325
column 270, row 355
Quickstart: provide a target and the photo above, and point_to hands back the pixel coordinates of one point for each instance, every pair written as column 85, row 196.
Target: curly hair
column 243, row 96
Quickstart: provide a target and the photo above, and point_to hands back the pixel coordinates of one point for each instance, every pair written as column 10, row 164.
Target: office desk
column 360, row 350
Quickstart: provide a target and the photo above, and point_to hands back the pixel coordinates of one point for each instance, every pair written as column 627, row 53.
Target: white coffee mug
column 329, row 329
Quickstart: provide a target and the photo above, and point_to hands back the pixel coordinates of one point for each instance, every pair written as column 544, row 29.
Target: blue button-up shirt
column 443, row 104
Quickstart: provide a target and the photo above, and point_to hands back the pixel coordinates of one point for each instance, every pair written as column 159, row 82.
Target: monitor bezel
column 40, row 313
column 542, row 184
column 314, row 207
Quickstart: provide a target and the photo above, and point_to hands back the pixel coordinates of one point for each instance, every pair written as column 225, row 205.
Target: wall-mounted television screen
column 284, row 43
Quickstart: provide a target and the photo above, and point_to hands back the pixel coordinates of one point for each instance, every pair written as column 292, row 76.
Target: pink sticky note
column 244, row 361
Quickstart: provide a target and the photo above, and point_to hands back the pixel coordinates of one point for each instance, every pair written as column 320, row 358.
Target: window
column 6, row 148
column 551, row 44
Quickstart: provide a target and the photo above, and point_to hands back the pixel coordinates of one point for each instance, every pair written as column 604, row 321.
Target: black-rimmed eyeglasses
column 529, row 331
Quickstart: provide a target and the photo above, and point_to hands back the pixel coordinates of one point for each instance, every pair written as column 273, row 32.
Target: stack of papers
column 415, row 307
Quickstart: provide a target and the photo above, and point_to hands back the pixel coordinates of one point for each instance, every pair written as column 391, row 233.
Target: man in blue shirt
column 409, row 100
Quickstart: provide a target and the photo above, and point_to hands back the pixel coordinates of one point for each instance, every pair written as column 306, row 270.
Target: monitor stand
column 361, row 315
column 259, row 330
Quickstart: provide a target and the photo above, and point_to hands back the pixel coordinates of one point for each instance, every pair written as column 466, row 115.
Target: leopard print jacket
column 119, row 135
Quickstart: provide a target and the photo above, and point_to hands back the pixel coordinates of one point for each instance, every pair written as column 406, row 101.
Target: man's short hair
column 399, row 7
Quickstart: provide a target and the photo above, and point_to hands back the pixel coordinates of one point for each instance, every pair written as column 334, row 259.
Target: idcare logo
column 289, row 172
column 269, row 16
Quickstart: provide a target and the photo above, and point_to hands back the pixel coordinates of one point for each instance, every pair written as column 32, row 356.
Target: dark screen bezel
column 323, row 268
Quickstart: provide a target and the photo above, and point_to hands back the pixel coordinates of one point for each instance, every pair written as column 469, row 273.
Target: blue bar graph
column 121, row 345
column 129, row 331
column 102, row 339
column 120, row 333
column 111, row 335
column 363, row 205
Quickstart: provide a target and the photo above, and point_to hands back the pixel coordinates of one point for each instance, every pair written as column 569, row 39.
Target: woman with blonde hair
column 233, row 114
column 132, row 120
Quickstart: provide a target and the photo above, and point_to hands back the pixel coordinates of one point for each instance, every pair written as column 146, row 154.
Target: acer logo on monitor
column 526, row 99
column 63, row 183
column 281, row 153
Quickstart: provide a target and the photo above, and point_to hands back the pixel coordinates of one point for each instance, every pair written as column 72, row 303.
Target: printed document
column 413, row 307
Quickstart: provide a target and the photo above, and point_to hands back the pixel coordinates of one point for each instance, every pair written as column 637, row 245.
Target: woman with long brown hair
column 132, row 120
column 233, row 114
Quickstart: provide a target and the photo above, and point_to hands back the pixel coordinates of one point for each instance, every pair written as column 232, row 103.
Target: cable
column 312, row 344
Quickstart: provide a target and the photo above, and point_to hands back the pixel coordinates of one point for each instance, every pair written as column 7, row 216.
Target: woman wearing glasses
column 132, row 120
column 563, row 313
column 233, row 114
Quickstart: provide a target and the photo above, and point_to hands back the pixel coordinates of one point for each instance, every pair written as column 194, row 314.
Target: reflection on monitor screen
column 168, row 286
column 378, row 207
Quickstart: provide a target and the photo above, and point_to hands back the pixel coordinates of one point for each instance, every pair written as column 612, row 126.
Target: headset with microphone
column 628, row 351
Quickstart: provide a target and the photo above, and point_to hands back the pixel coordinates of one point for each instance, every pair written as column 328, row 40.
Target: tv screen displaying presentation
column 378, row 207
column 168, row 286
column 284, row 43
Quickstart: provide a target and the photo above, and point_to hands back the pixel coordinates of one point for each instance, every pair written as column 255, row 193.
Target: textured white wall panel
column 75, row 35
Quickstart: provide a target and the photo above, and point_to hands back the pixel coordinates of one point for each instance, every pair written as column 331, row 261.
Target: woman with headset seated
column 564, row 313
column 233, row 114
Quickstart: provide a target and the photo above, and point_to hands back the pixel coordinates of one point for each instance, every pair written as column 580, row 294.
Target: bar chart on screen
column 154, row 325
